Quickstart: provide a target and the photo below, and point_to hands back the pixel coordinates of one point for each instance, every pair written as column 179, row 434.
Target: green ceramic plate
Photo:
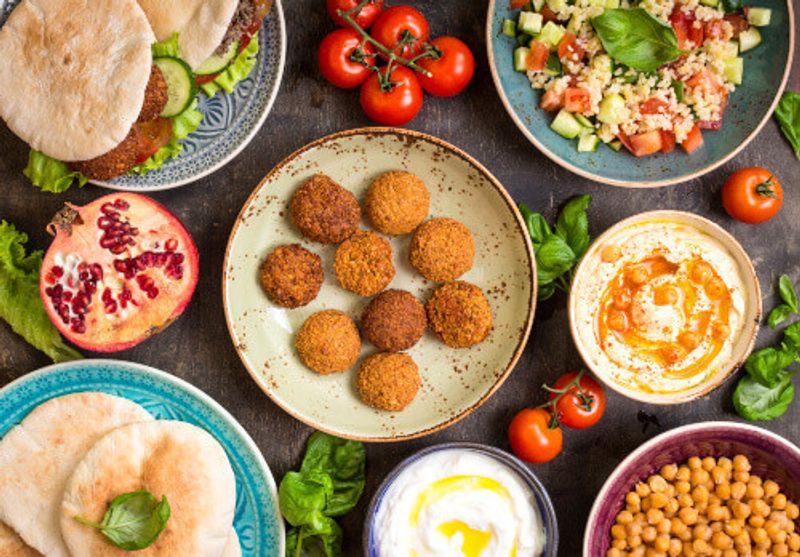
column 454, row 382
column 766, row 70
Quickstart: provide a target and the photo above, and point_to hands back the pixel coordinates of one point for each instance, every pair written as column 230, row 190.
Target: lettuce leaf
column 20, row 303
column 170, row 47
column 238, row 70
column 182, row 125
column 51, row 175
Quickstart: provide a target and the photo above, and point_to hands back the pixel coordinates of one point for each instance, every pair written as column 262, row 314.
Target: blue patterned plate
column 229, row 120
column 257, row 521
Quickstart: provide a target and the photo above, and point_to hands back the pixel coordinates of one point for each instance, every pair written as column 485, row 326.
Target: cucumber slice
column 759, row 16
column 749, row 39
column 588, row 143
column 556, row 5
column 573, row 26
column 553, row 66
column 566, row 125
column 616, row 144
column 521, row 59
column 530, row 23
column 583, row 121
column 612, row 109
column 551, row 34
column 537, row 5
column 734, row 70
column 181, row 87
column 712, row 3
column 510, row 28
column 602, row 62
column 215, row 64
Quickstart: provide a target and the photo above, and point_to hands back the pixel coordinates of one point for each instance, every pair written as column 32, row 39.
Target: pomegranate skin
column 120, row 269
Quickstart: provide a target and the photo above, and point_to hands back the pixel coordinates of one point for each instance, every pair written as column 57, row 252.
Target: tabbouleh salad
column 646, row 74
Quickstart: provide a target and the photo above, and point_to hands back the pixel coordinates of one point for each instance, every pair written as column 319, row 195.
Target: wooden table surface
column 198, row 349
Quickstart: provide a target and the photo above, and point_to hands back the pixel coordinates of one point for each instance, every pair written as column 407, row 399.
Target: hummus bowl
column 459, row 498
column 664, row 306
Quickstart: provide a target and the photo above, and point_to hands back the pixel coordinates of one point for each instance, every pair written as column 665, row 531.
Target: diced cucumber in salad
column 539, row 29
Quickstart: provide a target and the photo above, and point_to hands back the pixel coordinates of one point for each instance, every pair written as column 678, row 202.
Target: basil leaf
column 731, row 6
column 756, row 402
column 766, row 366
column 537, row 225
column 343, row 461
column 303, row 496
column 778, row 315
column 326, row 541
column 133, row 520
column 786, row 290
column 573, row 224
column 546, row 291
column 788, row 115
column 791, row 338
column 553, row 258
column 636, row 38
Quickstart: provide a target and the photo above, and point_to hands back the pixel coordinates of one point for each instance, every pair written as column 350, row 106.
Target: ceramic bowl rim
column 521, row 229
column 623, row 183
column 507, row 459
column 749, row 276
column 602, row 495
column 245, row 141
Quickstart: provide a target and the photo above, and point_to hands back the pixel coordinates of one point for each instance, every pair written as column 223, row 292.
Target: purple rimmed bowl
column 543, row 502
column 771, row 456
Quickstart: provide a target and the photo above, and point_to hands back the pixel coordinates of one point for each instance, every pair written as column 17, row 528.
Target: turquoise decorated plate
column 750, row 106
column 230, row 121
column 257, row 520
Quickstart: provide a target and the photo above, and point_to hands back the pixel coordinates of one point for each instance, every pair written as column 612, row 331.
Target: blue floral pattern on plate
column 257, row 519
column 229, row 120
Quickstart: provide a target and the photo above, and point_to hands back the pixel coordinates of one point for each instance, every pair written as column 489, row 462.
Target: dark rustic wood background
column 198, row 349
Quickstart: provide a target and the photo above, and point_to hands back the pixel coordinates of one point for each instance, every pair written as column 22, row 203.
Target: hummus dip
column 659, row 306
column 458, row 502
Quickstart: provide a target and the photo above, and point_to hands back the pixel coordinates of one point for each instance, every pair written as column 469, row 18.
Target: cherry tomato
column 531, row 437
column 577, row 409
column 452, row 71
column 152, row 137
column 365, row 18
column 396, row 107
column 336, row 62
column 392, row 25
column 752, row 195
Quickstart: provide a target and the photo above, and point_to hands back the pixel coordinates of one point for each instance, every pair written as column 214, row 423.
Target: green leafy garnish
column 789, row 306
column 133, row 520
column 731, row 6
column 756, row 402
column 20, row 303
column 558, row 252
column 51, row 175
column 767, row 365
column 637, row 39
column 239, row 69
column 329, row 484
column 788, row 115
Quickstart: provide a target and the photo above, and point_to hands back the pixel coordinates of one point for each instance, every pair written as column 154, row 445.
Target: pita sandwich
column 166, row 458
column 38, row 456
column 11, row 545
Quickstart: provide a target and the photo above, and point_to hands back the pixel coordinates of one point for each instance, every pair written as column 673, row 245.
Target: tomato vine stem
column 585, row 399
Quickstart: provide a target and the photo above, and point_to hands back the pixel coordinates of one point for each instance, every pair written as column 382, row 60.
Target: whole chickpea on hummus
column 659, row 306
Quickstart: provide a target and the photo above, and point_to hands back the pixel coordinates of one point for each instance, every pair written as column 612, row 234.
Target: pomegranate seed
column 49, row 291
column 57, row 271
column 97, row 271
column 116, row 249
column 108, row 209
column 103, row 223
column 49, row 278
column 78, row 326
column 152, row 293
column 161, row 259
column 171, row 245
column 106, row 241
column 67, row 296
column 110, row 307
column 177, row 258
column 134, row 231
column 146, row 259
column 121, row 204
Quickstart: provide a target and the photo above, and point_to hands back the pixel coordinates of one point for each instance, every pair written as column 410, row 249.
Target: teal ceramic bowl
column 766, row 70
column 257, row 520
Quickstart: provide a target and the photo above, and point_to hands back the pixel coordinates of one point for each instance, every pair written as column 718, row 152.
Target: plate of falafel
column 379, row 284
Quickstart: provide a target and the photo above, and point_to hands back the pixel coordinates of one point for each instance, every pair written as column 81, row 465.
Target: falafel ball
column 116, row 162
column 459, row 314
column 394, row 320
column 323, row 211
column 388, row 381
column 291, row 275
column 442, row 249
column 396, row 202
column 363, row 263
column 155, row 96
column 328, row 342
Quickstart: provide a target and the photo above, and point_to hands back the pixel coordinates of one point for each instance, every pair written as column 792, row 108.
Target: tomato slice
column 261, row 9
column 551, row 101
column 667, row 141
column 537, row 57
column 646, row 143
column 693, row 141
column 548, row 14
column 576, row 99
column 202, row 79
column 653, row 105
column 568, row 48
column 623, row 137
column 517, row 4
column 152, row 137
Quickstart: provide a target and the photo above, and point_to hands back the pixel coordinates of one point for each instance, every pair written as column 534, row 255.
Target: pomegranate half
column 119, row 270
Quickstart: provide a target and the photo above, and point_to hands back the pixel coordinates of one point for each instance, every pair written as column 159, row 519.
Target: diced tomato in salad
column 548, row 14
column 569, row 49
column 537, row 57
column 693, row 141
column 551, row 102
column 738, row 22
column 667, row 141
column 647, row 143
column 517, row 4
column 688, row 32
column 653, row 105
column 577, row 99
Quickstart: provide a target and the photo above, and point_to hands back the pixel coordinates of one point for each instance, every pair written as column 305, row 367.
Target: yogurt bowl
column 664, row 306
column 461, row 498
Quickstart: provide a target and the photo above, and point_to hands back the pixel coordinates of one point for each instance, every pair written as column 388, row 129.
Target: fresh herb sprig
column 329, row 484
column 133, row 520
column 788, row 115
column 766, row 392
column 557, row 252
column 637, row 39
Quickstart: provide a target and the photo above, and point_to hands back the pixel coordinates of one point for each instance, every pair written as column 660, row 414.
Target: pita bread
column 38, row 456
column 232, row 549
column 201, row 24
column 74, row 73
column 11, row 545
column 170, row 458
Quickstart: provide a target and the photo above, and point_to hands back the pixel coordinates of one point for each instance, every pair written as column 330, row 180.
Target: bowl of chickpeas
column 718, row 489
